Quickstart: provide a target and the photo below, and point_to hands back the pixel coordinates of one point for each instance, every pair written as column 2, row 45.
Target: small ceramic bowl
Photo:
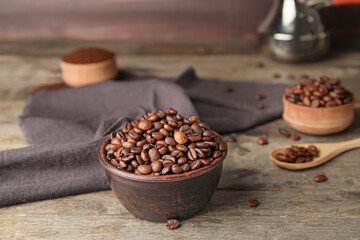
column 318, row 121
column 164, row 197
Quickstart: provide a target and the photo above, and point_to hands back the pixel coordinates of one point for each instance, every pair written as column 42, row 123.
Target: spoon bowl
column 327, row 151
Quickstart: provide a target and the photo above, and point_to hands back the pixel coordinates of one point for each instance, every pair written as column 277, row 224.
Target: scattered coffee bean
column 276, row 75
column 320, row 178
column 295, row 136
column 172, row 224
column 260, row 65
column 297, row 154
column 304, row 76
column 228, row 89
column 253, row 203
column 262, row 141
column 231, row 139
column 284, row 132
column 260, row 105
column 319, row 92
column 163, row 143
column 291, row 76
column 259, row 97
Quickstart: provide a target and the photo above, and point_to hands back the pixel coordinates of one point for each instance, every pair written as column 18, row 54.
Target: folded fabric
column 65, row 128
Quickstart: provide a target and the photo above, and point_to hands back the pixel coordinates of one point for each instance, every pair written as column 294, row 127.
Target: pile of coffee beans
column 163, row 143
column 297, row 154
column 319, row 92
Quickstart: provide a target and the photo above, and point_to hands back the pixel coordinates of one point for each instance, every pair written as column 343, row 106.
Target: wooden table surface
column 292, row 205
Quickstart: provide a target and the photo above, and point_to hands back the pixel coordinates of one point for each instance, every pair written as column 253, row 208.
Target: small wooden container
column 318, row 121
column 77, row 74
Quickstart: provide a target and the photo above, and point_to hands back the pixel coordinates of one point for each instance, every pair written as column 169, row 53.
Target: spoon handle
column 350, row 144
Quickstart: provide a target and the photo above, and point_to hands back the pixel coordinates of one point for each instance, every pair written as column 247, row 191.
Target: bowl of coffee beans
column 319, row 106
column 163, row 165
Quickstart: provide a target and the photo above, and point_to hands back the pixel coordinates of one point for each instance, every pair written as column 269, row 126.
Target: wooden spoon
column 327, row 151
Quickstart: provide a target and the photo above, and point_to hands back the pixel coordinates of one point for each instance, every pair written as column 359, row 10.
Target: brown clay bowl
column 318, row 121
column 164, row 197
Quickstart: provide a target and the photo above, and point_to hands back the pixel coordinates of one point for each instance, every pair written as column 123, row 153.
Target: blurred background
column 231, row 23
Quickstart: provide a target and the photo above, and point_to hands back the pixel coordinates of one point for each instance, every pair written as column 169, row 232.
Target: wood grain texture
column 292, row 205
column 160, row 20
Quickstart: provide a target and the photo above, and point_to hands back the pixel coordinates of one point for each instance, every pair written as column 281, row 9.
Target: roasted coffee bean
column 253, row 203
column 114, row 162
column 153, row 118
column 144, row 156
column 176, row 169
column 185, row 167
column 133, row 135
column 284, row 132
column 194, row 119
column 228, row 89
column 172, row 111
column 144, row 169
column 294, row 136
column 181, row 147
column 175, row 152
column 156, row 166
column 135, row 150
column 157, row 125
column 122, row 164
column 260, row 105
column 163, row 150
column 130, row 168
column 195, row 127
column 261, row 141
column 205, row 162
column 168, row 157
column 191, row 154
column 172, row 224
column 231, row 139
column 128, row 158
column 195, row 165
column 167, row 163
column 180, row 137
column 184, row 128
column 182, row 160
column 320, row 178
column 154, row 154
column 281, row 157
column 115, row 141
column 157, row 135
column 194, row 137
column 200, row 153
column 216, row 154
column 134, row 163
column 165, row 170
column 168, row 140
column 164, row 132
column 167, row 127
column 145, row 125
column 202, row 144
column 147, row 146
column 259, row 97
column 161, row 143
column 141, row 143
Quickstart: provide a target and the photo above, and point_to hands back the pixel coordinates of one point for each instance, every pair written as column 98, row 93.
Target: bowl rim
column 319, row 108
column 162, row 178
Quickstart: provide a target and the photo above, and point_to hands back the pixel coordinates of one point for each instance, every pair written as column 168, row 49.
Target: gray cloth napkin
column 65, row 128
